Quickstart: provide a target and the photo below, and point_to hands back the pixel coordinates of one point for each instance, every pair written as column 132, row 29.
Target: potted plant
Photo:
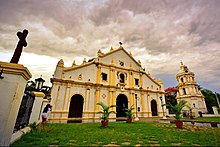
column 190, row 112
column 128, row 113
column 177, row 110
column 105, row 113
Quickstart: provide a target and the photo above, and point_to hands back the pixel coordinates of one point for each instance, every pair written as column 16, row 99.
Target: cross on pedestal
column 21, row 43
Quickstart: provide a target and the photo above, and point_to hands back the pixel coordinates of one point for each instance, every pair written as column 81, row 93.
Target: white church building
column 114, row 78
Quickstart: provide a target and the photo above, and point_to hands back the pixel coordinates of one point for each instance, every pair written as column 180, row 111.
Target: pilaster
column 141, row 80
column 98, row 78
column 97, row 107
column 112, row 76
column 143, row 105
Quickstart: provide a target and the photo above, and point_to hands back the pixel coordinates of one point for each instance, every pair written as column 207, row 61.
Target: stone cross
column 21, row 43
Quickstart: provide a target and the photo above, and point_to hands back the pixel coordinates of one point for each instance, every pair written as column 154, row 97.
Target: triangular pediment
column 118, row 56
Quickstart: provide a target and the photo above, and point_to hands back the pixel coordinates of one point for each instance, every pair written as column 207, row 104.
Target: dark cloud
column 160, row 32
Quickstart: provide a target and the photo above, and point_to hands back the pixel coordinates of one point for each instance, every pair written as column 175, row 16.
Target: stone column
column 37, row 106
column 143, row 105
column 12, row 86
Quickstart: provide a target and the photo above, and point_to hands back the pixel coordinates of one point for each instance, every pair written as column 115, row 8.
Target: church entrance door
column 76, row 108
column 122, row 103
column 154, row 108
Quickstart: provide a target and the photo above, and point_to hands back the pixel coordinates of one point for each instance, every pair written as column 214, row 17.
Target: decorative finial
column 159, row 80
column 111, row 49
column 99, row 53
column 181, row 62
column 60, row 63
column 112, row 62
column 130, row 66
column 84, row 61
column 74, row 63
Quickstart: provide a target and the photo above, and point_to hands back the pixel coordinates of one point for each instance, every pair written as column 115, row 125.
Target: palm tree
column 177, row 110
column 128, row 113
column 105, row 112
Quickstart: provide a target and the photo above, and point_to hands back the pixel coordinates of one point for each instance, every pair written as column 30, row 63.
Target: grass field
column 205, row 119
column 121, row 133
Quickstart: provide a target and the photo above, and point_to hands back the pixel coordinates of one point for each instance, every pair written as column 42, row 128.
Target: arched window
column 122, row 78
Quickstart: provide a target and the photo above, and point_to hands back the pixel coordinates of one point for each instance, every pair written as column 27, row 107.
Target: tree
column 170, row 96
column 210, row 99
column 30, row 86
column 177, row 109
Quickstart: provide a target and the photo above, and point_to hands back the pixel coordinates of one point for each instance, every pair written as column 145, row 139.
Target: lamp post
column 164, row 117
column 136, row 118
column 39, row 83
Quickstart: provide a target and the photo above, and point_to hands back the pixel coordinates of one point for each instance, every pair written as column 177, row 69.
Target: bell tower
column 188, row 89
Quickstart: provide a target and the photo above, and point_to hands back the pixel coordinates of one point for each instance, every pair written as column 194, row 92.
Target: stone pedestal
column 36, row 110
column 12, row 86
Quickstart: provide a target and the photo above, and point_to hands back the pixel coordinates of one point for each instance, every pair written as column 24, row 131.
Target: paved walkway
column 150, row 119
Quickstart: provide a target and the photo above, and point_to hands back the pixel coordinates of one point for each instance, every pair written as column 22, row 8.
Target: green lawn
column 121, row 133
column 205, row 119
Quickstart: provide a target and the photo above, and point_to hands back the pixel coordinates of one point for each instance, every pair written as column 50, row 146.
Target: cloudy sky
column 160, row 33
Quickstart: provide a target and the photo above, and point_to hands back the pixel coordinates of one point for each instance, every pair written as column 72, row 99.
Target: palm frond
column 105, row 110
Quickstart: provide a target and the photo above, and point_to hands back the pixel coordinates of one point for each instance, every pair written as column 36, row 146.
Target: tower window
column 184, row 91
column 182, row 80
column 104, row 76
column 136, row 82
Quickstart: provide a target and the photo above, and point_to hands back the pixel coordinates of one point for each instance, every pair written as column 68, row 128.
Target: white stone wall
column 87, row 73
column 148, row 83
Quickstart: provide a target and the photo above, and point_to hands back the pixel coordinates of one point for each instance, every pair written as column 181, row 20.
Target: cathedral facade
column 114, row 78
column 188, row 90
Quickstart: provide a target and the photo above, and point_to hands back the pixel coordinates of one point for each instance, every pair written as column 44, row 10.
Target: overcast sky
column 159, row 33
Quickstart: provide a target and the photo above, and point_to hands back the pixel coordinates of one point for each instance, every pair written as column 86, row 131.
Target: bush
column 33, row 126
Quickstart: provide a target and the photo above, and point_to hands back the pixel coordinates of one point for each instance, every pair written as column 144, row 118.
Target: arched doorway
column 122, row 103
column 154, row 108
column 76, row 108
